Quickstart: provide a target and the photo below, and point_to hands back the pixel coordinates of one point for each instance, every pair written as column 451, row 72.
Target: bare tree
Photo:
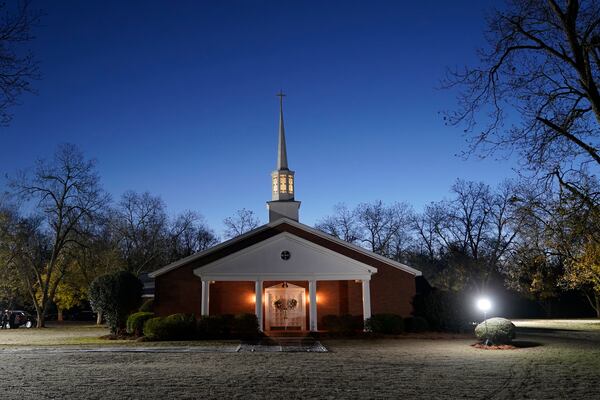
column 189, row 234
column 343, row 224
column 66, row 192
column 540, row 69
column 18, row 67
column 243, row 221
column 141, row 225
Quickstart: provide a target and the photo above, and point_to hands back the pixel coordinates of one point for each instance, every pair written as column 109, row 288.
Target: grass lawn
column 567, row 324
column 77, row 333
column 561, row 367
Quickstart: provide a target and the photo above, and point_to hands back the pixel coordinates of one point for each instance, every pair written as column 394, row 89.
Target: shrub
column 213, row 327
column 443, row 310
column 385, row 323
column 135, row 322
column 173, row 327
column 345, row 324
column 147, row 306
column 245, row 326
column 497, row 330
column 415, row 324
column 116, row 295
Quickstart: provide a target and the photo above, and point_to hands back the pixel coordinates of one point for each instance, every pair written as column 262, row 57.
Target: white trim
column 211, row 271
column 251, row 277
column 312, row 294
column 204, row 305
column 298, row 225
column 366, row 299
column 258, row 300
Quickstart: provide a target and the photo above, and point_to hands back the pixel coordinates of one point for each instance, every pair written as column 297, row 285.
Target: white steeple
column 281, row 149
column 282, row 202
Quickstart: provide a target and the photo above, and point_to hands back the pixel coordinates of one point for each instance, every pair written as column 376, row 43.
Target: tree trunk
column 99, row 318
column 60, row 318
column 41, row 320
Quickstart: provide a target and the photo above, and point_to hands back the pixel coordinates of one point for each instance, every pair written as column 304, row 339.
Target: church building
column 287, row 273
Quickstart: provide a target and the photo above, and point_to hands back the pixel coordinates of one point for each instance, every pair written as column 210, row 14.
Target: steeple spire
column 282, row 204
column 282, row 163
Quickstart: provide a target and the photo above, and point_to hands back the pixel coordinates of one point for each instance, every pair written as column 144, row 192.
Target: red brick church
column 287, row 273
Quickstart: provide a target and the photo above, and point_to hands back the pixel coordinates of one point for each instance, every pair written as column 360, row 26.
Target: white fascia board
column 215, row 276
column 324, row 235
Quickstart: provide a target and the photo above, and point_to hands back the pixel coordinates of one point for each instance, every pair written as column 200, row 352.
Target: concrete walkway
column 283, row 344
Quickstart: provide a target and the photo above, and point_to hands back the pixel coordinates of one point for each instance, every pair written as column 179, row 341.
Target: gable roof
column 286, row 225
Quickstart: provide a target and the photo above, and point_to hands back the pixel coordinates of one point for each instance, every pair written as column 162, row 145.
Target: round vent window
column 285, row 255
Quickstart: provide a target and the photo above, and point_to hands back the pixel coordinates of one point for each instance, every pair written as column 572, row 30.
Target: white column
column 366, row 298
column 258, row 300
column 312, row 294
column 205, row 297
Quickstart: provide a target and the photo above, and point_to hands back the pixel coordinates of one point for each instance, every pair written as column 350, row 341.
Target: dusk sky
column 178, row 99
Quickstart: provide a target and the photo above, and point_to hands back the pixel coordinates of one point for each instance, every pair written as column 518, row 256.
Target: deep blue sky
column 178, row 98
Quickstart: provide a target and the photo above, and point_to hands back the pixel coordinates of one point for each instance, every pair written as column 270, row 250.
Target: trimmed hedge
column 415, row 324
column 245, row 326
column 173, row 327
column 227, row 326
column 135, row 322
column 497, row 330
column 345, row 324
column 390, row 324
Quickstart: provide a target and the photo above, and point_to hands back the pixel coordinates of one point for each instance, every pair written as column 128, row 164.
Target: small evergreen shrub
column 173, row 327
column 245, row 326
column 214, row 327
column 345, row 324
column 155, row 329
column 390, row 324
column 116, row 295
column 415, row 324
column 497, row 330
column 135, row 322
column 147, row 306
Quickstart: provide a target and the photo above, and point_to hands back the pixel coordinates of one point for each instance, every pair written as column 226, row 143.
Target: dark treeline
column 536, row 244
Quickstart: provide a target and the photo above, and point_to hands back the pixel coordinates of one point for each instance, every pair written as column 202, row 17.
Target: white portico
column 284, row 258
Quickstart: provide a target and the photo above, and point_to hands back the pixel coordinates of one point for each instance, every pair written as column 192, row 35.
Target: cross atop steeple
column 282, row 204
column 282, row 163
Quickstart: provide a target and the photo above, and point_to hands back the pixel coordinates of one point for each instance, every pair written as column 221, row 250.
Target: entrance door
column 285, row 308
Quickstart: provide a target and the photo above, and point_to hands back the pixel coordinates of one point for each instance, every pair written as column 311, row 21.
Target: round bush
column 497, row 330
column 416, row 324
column 390, row 324
column 135, row 322
column 212, row 327
column 345, row 324
column 173, row 327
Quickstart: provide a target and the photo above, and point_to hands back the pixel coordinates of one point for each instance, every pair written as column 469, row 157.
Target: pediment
column 285, row 256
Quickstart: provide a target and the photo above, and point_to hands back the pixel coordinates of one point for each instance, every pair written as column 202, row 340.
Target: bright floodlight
column 484, row 304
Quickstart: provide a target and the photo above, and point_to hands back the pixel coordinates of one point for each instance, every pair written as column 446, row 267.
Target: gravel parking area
column 558, row 368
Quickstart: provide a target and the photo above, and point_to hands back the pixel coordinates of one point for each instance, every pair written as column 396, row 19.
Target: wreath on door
column 285, row 304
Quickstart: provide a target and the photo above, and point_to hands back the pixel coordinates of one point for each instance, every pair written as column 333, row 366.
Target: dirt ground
column 564, row 365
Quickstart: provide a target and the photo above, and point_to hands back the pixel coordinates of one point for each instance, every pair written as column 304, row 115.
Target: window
column 291, row 184
column 275, row 184
column 282, row 184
